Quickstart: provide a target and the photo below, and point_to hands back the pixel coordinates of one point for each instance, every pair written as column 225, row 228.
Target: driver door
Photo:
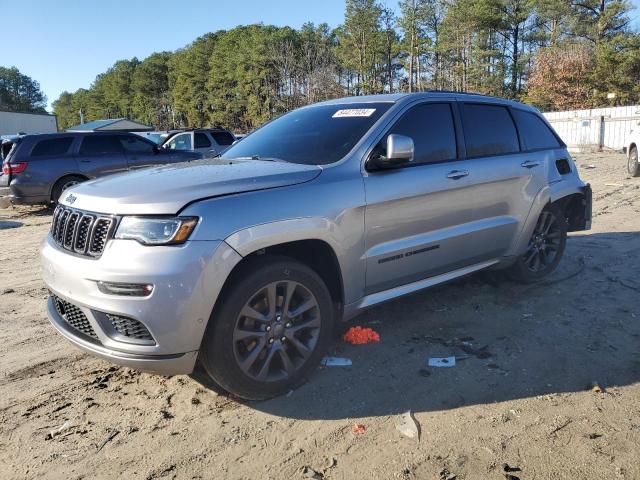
column 140, row 152
column 181, row 141
column 413, row 213
column 101, row 154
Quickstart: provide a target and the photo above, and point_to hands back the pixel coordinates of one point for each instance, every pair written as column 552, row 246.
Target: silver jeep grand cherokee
column 247, row 261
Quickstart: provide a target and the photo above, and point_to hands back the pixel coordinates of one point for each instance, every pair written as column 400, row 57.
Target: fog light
column 127, row 289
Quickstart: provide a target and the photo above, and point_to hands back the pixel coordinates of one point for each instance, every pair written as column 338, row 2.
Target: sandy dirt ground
column 524, row 398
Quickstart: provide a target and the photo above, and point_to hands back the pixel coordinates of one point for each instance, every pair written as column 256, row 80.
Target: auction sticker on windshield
column 354, row 112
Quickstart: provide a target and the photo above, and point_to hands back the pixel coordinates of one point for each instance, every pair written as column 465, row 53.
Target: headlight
column 156, row 230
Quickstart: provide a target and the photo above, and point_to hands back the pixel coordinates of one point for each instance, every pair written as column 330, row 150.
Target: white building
column 12, row 123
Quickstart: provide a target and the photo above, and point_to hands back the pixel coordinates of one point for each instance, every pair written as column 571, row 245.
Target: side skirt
column 355, row 308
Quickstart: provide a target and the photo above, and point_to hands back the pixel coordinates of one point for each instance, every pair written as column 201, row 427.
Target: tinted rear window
column 534, row 133
column 223, row 138
column 488, row 130
column 52, row 147
column 100, row 144
column 316, row 135
column 431, row 128
column 201, row 140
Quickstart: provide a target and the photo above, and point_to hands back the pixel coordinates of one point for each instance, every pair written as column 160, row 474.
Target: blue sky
column 64, row 44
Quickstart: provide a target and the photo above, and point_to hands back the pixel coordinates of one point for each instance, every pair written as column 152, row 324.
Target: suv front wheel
column 270, row 329
column 545, row 247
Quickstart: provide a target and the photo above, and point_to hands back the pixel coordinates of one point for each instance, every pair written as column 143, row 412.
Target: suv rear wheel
column 270, row 330
column 545, row 248
column 63, row 184
column 634, row 165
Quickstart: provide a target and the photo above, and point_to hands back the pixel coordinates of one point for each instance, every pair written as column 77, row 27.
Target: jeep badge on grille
column 71, row 198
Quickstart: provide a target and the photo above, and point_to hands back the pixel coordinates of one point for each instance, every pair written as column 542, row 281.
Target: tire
column 633, row 165
column 236, row 351
column 545, row 248
column 64, row 183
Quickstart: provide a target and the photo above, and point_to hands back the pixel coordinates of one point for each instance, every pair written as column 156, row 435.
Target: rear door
column 204, row 144
column 502, row 183
column 222, row 140
column 101, row 154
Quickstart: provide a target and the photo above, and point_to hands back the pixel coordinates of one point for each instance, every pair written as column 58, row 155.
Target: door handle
column 530, row 164
column 457, row 174
column 85, row 161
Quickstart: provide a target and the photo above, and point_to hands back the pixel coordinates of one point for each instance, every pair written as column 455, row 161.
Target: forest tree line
column 554, row 54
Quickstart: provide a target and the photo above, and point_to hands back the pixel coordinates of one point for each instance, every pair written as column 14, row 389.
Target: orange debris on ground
column 360, row 336
column 358, row 429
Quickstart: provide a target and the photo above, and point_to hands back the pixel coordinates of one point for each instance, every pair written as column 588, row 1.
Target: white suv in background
column 211, row 142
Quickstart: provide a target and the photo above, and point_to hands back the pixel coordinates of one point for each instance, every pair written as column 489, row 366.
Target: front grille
column 74, row 317
column 129, row 327
column 80, row 232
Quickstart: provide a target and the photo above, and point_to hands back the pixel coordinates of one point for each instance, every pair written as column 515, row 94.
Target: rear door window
column 488, row 130
column 100, row 145
column 52, row 147
column 430, row 125
column 223, row 138
column 534, row 133
column 201, row 140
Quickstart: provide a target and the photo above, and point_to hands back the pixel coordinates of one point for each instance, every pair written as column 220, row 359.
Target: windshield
column 154, row 137
column 316, row 135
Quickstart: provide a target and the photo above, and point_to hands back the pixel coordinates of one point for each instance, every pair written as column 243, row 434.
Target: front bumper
column 187, row 280
column 162, row 364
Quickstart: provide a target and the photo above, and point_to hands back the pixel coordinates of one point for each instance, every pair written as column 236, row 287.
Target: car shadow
column 7, row 224
column 511, row 340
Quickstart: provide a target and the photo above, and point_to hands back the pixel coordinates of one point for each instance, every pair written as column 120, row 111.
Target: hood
column 166, row 189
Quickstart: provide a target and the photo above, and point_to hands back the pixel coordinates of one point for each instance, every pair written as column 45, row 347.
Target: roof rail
column 457, row 92
column 191, row 129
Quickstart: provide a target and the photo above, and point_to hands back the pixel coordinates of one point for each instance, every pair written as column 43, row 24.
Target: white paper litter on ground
column 442, row 361
column 408, row 426
column 336, row 362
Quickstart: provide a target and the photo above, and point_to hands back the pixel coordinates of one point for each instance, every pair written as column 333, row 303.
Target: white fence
column 596, row 129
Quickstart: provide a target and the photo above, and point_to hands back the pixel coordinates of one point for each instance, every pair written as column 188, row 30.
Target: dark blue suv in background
column 36, row 169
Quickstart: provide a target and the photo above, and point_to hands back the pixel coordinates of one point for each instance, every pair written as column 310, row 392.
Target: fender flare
column 261, row 236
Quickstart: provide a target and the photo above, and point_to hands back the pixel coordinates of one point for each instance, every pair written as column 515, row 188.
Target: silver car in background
column 246, row 262
column 210, row 142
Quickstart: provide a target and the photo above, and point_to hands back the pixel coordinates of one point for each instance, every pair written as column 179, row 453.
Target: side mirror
column 399, row 152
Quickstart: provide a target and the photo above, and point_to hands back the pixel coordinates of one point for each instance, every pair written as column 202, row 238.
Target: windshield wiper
column 264, row 159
